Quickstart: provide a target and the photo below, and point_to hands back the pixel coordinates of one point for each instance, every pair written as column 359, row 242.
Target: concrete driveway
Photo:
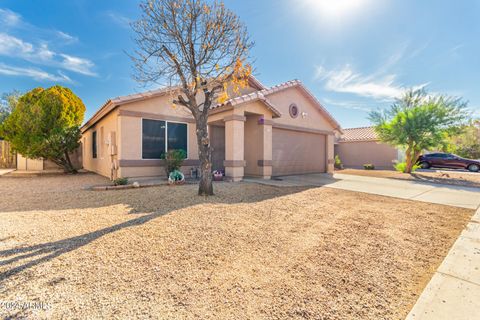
column 457, row 196
column 5, row 171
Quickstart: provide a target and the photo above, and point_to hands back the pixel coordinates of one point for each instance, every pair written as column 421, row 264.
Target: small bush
column 402, row 167
column 338, row 163
column 174, row 160
column 120, row 181
column 369, row 166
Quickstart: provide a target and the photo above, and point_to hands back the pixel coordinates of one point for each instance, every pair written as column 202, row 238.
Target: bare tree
column 200, row 47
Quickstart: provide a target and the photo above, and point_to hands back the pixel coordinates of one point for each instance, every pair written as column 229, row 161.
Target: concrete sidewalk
column 458, row 196
column 454, row 291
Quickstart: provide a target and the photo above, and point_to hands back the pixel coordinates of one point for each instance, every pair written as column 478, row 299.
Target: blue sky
column 355, row 55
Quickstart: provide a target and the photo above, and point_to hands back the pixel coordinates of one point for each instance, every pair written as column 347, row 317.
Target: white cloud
column 14, row 47
column 119, row 19
column 66, row 37
column 378, row 86
column 352, row 105
column 76, row 64
column 9, row 18
column 44, row 54
column 33, row 73
column 419, row 50
column 456, row 51
column 38, row 51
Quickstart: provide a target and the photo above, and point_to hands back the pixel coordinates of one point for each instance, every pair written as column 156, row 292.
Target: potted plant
column 176, row 178
column 173, row 162
column 217, row 175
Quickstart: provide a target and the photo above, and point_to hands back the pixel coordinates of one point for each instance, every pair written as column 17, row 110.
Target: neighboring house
column 27, row 164
column 359, row 146
column 264, row 132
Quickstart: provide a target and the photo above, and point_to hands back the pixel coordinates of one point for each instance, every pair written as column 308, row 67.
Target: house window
column 153, row 139
column 177, row 136
column 94, row 144
column 159, row 136
column 293, row 109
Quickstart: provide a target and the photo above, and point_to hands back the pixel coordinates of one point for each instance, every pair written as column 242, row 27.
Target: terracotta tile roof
column 260, row 95
column 110, row 104
column 359, row 134
column 251, row 97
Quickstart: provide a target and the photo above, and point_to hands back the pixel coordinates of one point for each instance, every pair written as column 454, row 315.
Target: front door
column 217, row 142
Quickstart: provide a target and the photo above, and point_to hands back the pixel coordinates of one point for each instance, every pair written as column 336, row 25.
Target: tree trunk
column 412, row 157
column 416, row 154
column 409, row 165
column 205, row 187
column 68, row 167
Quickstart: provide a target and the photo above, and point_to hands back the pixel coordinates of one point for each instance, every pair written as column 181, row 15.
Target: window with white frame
column 159, row 136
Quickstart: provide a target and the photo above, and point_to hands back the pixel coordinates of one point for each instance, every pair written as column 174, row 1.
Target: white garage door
column 298, row 152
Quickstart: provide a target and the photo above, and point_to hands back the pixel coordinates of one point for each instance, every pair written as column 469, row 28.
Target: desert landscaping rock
column 250, row 252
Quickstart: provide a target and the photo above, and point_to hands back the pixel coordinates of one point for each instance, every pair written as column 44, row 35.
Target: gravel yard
column 458, row 178
column 250, row 252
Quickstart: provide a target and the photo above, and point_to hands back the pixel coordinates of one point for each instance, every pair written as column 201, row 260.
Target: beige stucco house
column 263, row 132
column 359, row 146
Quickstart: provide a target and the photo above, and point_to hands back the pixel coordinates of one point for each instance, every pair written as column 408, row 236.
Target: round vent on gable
column 294, row 110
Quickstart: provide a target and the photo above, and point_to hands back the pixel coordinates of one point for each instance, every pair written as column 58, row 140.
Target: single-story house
column 262, row 132
column 359, row 146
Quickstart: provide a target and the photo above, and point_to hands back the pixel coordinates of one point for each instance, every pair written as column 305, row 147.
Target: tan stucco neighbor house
column 262, row 132
column 359, row 146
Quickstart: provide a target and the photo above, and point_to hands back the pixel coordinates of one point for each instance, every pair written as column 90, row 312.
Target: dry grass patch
column 249, row 252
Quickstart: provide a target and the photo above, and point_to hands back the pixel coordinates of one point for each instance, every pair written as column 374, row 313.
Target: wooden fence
column 7, row 156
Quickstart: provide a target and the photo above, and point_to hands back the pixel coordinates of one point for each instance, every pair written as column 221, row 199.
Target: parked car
column 447, row 160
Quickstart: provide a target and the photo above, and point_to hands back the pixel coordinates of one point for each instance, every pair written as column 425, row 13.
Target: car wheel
column 473, row 167
column 425, row 165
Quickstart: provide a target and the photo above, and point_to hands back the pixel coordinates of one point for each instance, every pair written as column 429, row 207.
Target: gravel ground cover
column 250, row 252
column 458, row 178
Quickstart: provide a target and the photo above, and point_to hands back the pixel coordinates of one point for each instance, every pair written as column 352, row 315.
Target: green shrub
column 174, row 160
column 369, row 166
column 120, row 182
column 45, row 123
column 338, row 163
column 402, row 167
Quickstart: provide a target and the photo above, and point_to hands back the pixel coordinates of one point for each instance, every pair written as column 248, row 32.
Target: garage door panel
column 297, row 152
